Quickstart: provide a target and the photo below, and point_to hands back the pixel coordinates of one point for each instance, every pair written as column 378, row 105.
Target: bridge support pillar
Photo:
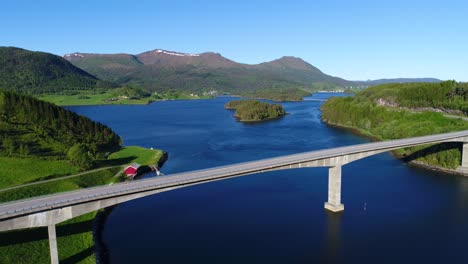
column 53, row 245
column 464, row 153
column 334, row 190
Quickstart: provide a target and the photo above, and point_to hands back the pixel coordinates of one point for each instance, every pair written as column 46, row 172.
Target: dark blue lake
column 394, row 213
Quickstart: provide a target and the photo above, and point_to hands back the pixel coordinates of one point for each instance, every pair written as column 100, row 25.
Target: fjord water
column 394, row 213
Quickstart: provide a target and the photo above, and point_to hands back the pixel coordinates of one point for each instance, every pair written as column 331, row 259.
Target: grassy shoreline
column 89, row 98
column 75, row 236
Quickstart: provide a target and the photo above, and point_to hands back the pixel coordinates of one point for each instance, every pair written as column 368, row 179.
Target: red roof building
column 132, row 170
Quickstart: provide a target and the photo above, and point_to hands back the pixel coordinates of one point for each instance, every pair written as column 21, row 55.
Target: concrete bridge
column 53, row 209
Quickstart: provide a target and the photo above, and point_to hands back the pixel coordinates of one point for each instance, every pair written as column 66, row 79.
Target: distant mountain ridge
column 160, row 70
column 398, row 80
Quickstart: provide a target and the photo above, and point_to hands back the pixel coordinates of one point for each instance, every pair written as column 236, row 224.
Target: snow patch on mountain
column 175, row 53
column 76, row 54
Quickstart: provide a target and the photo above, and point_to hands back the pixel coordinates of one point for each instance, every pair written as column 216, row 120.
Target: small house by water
column 132, row 170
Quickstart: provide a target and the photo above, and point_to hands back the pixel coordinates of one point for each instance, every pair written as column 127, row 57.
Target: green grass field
column 137, row 154
column 16, row 171
column 74, row 241
column 90, row 98
column 85, row 98
column 75, row 238
column 84, row 181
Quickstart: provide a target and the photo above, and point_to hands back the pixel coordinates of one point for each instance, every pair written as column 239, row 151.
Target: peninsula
column 394, row 111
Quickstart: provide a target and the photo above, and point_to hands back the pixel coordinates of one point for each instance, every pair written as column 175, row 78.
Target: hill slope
column 372, row 112
column 160, row 70
column 38, row 72
column 30, row 127
column 448, row 96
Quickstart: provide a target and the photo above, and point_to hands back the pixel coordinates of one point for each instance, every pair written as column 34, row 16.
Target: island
column 255, row 111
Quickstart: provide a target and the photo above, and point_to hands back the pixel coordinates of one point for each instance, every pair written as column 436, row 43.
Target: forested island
column 394, row 111
column 255, row 111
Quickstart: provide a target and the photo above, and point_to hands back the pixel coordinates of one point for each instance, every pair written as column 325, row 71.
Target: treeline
column 252, row 110
column 30, row 127
column 362, row 113
column 448, row 95
column 281, row 95
column 38, row 72
column 132, row 92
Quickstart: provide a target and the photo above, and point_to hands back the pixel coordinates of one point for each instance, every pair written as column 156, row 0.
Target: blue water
column 394, row 213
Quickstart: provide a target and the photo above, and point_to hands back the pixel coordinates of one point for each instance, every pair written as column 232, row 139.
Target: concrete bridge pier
column 334, row 190
column 53, row 245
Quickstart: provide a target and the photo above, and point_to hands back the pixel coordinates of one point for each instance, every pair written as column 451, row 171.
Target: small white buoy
column 365, row 206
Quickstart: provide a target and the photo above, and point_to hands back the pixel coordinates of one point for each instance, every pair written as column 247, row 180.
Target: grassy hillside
column 40, row 143
column 33, row 128
column 113, row 68
column 362, row 112
column 75, row 236
column 39, row 72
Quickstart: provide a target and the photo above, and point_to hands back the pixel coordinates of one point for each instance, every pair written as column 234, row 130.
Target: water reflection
column 463, row 193
column 332, row 239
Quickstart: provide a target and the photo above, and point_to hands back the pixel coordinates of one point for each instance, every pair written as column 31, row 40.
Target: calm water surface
column 393, row 213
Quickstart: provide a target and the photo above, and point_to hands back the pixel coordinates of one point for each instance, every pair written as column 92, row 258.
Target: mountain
column 161, row 70
column 163, row 58
column 39, row 72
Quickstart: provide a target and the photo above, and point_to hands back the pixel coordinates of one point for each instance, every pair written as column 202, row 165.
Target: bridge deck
column 38, row 204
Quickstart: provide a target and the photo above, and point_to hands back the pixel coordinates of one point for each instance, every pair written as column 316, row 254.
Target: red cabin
column 132, row 170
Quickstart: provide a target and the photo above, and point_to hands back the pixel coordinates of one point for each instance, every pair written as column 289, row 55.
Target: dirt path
column 60, row 178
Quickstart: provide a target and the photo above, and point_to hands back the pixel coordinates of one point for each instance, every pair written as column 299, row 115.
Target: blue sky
column 356, row 40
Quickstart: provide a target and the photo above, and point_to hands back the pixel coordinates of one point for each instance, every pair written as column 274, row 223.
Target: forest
column 361, row 112
column 253, row 110
column 448, row 96
column 30, row 127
